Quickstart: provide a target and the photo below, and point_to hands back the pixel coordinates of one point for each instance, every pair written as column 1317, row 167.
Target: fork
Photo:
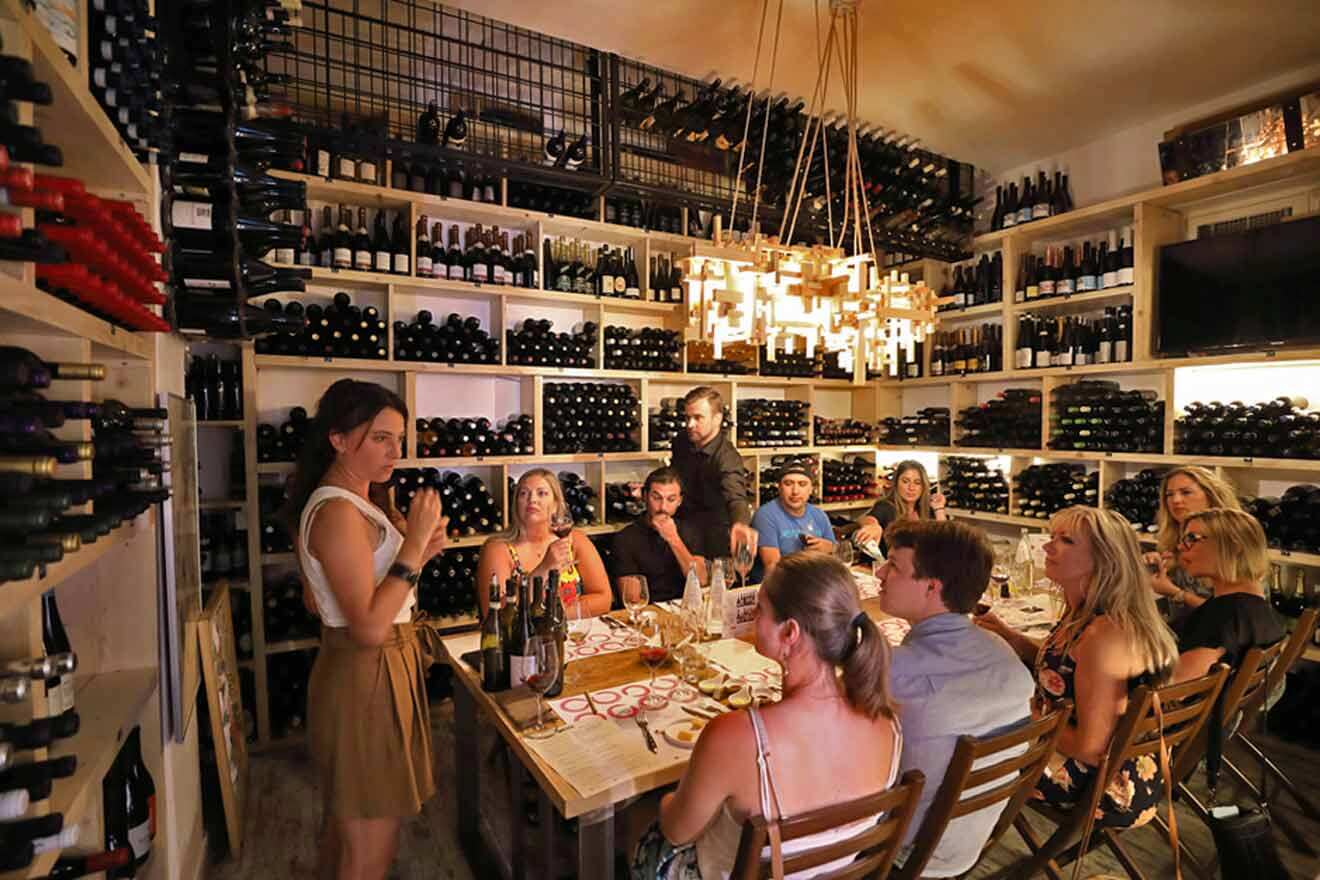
column 646, row 732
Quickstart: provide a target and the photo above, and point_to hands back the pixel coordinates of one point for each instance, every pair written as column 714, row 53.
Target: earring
column 783, row 665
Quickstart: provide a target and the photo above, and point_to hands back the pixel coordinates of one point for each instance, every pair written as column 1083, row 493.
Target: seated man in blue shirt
column 789, row 524
column 949, row 677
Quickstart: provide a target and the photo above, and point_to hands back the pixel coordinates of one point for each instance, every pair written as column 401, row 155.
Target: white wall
column 1127, row 161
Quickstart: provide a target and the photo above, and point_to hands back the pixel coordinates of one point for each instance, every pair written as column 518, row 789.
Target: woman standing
column 909, row 498
column 783, row 758
column 529, row 548
column 368, row 718
column 1183, row 491
column 1227, row 549
column 1110, row 640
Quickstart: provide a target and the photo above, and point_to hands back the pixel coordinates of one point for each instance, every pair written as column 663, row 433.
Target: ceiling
column 993, row 82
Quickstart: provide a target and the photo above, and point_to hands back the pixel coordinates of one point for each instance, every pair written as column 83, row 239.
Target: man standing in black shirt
column 715, row 496
column 656, row 546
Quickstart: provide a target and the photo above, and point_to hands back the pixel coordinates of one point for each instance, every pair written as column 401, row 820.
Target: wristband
column 406, row 574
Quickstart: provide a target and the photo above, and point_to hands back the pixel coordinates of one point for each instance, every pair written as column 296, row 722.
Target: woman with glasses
column 1183, row 492
column 1110, row 640
column 1227, row 549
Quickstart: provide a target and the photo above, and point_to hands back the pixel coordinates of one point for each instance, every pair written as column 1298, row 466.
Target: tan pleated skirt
column 369, row 727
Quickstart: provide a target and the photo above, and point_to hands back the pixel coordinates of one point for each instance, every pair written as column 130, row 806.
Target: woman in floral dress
column 1110, row 639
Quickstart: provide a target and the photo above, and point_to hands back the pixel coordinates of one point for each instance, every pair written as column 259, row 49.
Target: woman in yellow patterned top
column 529, row 547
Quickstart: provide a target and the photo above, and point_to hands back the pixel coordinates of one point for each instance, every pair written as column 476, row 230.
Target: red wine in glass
column 654, row 655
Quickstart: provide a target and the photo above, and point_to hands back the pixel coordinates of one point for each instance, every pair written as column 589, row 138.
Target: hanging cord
column 801, row 171
column 747, row 123
column 765, row 129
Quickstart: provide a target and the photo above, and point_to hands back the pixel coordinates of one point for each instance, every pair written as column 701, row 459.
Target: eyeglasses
column 1187, row 541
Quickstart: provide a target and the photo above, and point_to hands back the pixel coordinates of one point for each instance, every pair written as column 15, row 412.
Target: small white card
column 738, row 617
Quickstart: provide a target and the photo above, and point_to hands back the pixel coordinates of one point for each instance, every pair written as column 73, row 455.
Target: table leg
column 517, row 820
column 549, row 817
column 596, row 844
column 467, row 762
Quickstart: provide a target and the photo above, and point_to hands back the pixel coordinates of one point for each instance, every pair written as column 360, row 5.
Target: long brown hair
column 1217, row 492
column 819, row 593
column 922, row 505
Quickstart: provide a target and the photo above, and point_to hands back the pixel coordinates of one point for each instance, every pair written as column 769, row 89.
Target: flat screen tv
column 1248, row 291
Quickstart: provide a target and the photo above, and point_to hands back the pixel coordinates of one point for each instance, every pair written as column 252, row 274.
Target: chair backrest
column 1021, row 757
column 1185, row 708
column 1244, row 692
column 1293, row 647
column 876, row 844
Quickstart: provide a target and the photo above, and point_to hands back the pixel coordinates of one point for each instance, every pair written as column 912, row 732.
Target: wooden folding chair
column 875, row 845
column 1021, row 757
column 1292, row 652
column 1185, row 708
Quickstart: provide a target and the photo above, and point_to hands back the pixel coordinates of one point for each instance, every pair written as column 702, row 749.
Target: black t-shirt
column 639, row 549
column 884, row 512
column 1236, row 622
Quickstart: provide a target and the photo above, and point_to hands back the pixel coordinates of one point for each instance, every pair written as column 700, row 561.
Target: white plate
column 683, row 734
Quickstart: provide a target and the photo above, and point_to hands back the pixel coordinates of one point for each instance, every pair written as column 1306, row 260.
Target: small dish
column 712, row 686
column 683, row 734
column 741, row 698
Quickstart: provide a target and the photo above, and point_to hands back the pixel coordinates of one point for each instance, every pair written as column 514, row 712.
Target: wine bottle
column 55, row 640
column 521, row 663
column 456, row 130
column 380, row 241
column 400, row 251
column 428, row 125
column 69, row 866
column 555, row 148
column 556, row 627
column 425, row 266
column 494, row 672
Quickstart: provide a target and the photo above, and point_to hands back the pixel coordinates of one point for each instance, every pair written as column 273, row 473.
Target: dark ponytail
column 345, row 405
column 818, row 591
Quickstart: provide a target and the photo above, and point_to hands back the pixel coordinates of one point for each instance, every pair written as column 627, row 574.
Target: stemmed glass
column 744, row 556
column 544, row 651
column 561, row 525
column 654, row 653
column 579, row 624
column 636, row 595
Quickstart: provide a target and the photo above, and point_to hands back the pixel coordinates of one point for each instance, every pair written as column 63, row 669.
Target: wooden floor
column 283, row 815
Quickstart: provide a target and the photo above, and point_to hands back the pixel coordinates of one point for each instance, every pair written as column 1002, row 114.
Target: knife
column 646, row 732
column 703, row 714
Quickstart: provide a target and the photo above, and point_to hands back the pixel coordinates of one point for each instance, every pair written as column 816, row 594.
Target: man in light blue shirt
column 789, row 523
column 950, row 677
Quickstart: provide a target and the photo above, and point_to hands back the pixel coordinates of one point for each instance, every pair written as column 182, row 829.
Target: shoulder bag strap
column 1168, row 786
column 769, row 798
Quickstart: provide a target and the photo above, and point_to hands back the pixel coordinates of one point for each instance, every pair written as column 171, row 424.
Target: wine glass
column 579, row 624
column 654, row 652
column 561, row 523
column 544, row 651
column 744, row 557
column 636, row 595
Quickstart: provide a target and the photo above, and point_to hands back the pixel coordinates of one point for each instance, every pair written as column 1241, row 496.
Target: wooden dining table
column 593, row 813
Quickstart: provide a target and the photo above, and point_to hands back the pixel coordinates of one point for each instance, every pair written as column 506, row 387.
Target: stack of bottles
column 971, row 350
column 486, row 256
column 274, row 537
column 573, row 266
column 285, row 615
column 771, row 473
column 1042, row 489
column 976, row 283
column 519, row 610
column 436, row 175
column 1291, row 521
column 1074, row 340
column 970, row 484
column 129, row 808
column 666, row 279
column 216, row 388
column 458, row 340
column 551, row 200
column 223, row 547
column 850, row 480
column 445, row 589
column 1036, row 200
column 590, row 417
column 240, row 613
column 340, row 330
column 464, row 498
column 841, row 432
column 623, row 502
column 438, row 437
column 928, row 427
column 651, row 349
column 287, row 675
column 1011, row 420
column 1137, row 499
column 580, row 497
column 1069, row 269
column 837, row 365
column 665, row 422
column 777, row 361
column 776, row 423
column 1097, row 415
column 285, row 442
column 644, row 215
column 342, row 244
column 533, row 343
column 1280, row 428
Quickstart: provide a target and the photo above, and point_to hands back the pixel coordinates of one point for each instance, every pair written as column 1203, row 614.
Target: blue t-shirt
column 776, row 528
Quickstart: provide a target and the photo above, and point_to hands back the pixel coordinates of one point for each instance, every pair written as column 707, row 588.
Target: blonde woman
column 1183, row 492
column 528, row 547
column 1227, row 549
column 1110, row 639
column 909, row 498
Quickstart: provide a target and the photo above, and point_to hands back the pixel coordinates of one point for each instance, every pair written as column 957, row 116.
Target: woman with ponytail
column 369, row 728
column 836, row 701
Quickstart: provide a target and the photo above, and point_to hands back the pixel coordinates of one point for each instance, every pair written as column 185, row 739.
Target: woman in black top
column 1227, row 548
column 910, row 497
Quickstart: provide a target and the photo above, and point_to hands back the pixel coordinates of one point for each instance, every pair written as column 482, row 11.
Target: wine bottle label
column 383, row 261
column 1125, row 275
column 322, row 163
column 400, row 264
column 521, row 668
column 207, row 283
column 362, row 261
column 1121, row 350
column 1020, row 295
column 306, row 258
column 194, row 158
column 607, row 284
column 1063, row 286
column 454, row 271
column 1042, row 358
column 632, row 293
column 347, row 167
column 1010, row 219
column 192, row 215
column 139, row 838
column 479, row 272
column 327, row 258
column 1046, row 287
column 1033, row 291
column 284, row 255
column 424, row 266
column 64, row 696
column 1085, row 282
column 367, row 171
column 343, row 257
column 620, row 284
column 1110, row 279
column 1024, row 214
column 1040, row 211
